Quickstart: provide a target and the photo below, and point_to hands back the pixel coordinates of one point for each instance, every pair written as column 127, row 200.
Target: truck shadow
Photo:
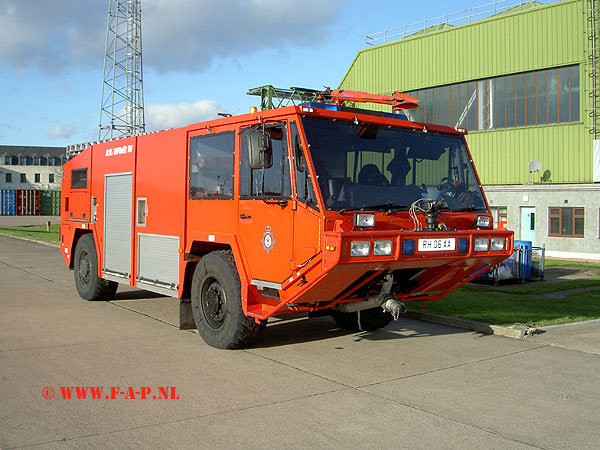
column 301, row 329
column 127, row 293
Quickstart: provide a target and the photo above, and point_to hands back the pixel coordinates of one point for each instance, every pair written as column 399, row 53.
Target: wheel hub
column 214, row 303
column 84, row 268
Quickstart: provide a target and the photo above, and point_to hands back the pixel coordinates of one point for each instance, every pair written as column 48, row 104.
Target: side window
column 79, row 178
column 304, row 188
column 271, row 182
column 211, row 166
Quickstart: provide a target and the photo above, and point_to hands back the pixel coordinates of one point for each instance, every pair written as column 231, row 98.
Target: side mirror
column 260, row 150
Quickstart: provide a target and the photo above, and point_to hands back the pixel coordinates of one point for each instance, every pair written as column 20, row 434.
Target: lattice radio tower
column 122, row 107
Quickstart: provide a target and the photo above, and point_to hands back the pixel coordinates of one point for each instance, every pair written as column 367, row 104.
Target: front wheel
column 365, row 320
column 89, row 285
column 217, row 303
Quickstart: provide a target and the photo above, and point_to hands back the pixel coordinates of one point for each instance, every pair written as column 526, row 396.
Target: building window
column 36, row 178
column 23, row 178
column 566, row 222
column 8, row 178
column 499, row 213
column 525, row 99
column 50, row 178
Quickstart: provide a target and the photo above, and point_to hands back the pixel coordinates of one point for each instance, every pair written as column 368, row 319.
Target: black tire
column 366, row 320
column 89, row 285
column 217, row 303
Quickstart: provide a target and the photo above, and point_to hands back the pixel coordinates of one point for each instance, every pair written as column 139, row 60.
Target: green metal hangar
column 525, row 82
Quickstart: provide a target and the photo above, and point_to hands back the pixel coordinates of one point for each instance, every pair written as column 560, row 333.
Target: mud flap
column 186, row 318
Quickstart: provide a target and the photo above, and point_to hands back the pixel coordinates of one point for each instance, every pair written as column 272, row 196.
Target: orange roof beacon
column 315, row 207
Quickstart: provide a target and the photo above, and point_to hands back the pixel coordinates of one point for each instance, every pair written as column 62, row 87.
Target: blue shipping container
column 7, row 202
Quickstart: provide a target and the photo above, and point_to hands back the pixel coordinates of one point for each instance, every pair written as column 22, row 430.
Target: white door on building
column 528, row 224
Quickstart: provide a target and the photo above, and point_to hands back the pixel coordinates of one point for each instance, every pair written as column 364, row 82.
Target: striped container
column 50, row 203
column 28, row 202
column 7, row 202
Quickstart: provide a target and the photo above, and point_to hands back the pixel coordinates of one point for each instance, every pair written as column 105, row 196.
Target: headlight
column 360, row 248
column 497, row 244
column 382, row 248
column 482, row 244
column 364, row 220
column 482, row 221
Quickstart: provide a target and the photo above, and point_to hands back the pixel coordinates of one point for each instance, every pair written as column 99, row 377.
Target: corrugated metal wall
column 542, row 37
column 502, row 156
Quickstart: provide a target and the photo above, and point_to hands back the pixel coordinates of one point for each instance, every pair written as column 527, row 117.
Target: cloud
column 178, row 35
column 52, row 35
column 61, row 132
column 161, row 116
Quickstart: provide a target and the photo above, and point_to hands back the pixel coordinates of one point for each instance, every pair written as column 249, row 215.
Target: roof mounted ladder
column 272, row 97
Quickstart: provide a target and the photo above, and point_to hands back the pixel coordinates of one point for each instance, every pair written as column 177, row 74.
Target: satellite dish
column 535, row 165
column 546, row 176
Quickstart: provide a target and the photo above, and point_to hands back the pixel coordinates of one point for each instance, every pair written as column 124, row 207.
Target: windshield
column 368, row 166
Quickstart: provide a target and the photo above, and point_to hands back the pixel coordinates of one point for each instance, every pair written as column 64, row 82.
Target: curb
column 516, row 331
column 48, row 243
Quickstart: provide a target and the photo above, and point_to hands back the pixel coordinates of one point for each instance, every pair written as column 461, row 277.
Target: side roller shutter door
column 117, row 224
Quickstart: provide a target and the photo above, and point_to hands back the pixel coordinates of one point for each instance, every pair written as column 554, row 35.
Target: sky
column 200, row 57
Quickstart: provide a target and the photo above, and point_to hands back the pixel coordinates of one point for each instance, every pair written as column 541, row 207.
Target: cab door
column 266, row 211
column 307, row 218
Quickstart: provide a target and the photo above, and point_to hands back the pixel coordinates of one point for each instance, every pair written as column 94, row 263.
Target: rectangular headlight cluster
column 363, row 248
column 497, row 244
column 360, row 248
column 483, row 244
column 382, row 248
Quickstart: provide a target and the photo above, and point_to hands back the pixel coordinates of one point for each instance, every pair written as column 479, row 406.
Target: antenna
column 122, row 103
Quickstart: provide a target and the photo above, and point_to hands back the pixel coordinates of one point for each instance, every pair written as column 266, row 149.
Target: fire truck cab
column 315, row 207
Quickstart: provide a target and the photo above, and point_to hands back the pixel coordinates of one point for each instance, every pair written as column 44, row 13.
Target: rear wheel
column 217, row 303
column 89, row 285
column 366, row 320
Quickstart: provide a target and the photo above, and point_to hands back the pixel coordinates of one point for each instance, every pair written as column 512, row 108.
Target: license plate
column 437, row 245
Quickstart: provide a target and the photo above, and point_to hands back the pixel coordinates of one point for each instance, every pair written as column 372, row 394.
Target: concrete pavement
column 307, row 384
column 20, row 221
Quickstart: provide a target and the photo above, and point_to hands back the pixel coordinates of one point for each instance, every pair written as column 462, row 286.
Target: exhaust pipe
column 392, row 305
column 387, row 302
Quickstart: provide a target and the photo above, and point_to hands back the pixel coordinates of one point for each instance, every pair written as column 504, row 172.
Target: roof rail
column 452, row 19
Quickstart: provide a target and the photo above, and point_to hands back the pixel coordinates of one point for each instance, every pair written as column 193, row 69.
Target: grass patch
column 534, row 288
column 567, row 263
column 507, row 309
column 37, row 232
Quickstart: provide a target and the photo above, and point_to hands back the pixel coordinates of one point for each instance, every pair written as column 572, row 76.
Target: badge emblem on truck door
column 268, row 240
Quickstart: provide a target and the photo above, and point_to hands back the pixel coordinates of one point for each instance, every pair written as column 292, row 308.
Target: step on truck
column 318, row 207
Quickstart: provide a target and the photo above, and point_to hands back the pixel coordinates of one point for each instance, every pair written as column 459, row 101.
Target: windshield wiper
column 467, row 208
column 389, row 207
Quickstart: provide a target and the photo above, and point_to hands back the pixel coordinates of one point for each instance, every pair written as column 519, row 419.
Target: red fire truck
column 317, row 207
